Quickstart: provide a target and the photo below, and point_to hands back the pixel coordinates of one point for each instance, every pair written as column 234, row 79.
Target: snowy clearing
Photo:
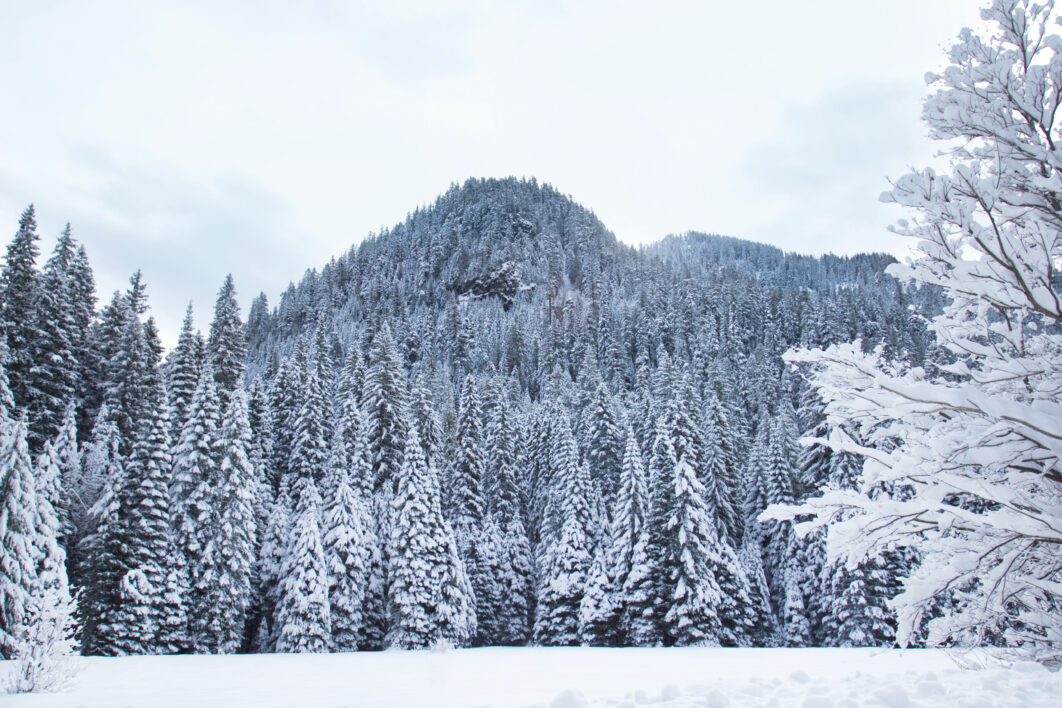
column 555, row 677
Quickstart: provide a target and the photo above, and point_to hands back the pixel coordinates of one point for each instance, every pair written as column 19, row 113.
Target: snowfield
column 553, row 678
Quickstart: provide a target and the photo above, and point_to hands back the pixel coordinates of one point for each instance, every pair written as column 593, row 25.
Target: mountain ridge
column 553, row 245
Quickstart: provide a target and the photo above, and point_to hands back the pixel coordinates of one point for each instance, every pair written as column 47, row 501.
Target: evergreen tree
column 68, row 460
column 567, row 558
column 483, row 558
column 82, row 291
column 47, row 635
column 56, row 375
column 226, row 346
column 429, row 595
column 284, row 393
column 148, row 614
column 20, row 293
column 719, row 472
column 605, row 445
column 466, row 477
column 426, row 419
column 183, row 369
column 599, row 614
column 309, row 451
column 384, row 404
column 347, row 523
column 275, row 543
column 769, row 480
column 691, row 563
column 101, row 552
column 303, row 622
column 19, row 540
column 628, row 527
column 195, row 479
column 514, row 614
column 231, row 544
column 764, row 627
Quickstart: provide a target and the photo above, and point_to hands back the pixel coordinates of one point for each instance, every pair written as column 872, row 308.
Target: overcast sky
column 193, row 139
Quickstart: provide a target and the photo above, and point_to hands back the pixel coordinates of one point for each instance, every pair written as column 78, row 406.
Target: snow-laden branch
column 962, row 461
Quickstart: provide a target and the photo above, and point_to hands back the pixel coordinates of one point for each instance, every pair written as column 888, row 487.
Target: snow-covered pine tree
column 466, row 477
column 628, row 525
column 68, row 459
column 692, row 594
column 56, row 373
column 347, row 523
column 764, row 628
column 145, row 618
column 429, row 596
column 422, row 411
column 309, row 448
column 183, row 369
column 275, row 543
column 567, row 557
column 101, row 553
column 599, row 615
column 47, row 634
column 513, row 612
column 20, row 292
column 384, row 404
column 483, row 559
column 19, row 540
column 604, row 442
column 719, row 473
column 303, row 620
column 195, row 477
column 130, row 375
column 352, row 375
column 83, row 297
column 230, row 555
column 226, row 346
column 769, row 480
column 260, row 419
column 646, row 595
column 284, row 397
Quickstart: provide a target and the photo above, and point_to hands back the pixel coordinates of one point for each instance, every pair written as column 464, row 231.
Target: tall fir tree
column 469, row 463
column 347, row 523
column 18, row 531
column 227, row 345
column 149, row 614
column 183, row 369
column 68, row 459
column 429, row 595
column 101, row 551
column 20, row 294
column 719, row 471
column 628, row 529
column 605, row 444
column 231, row 544
column 275, row 543
column 56, row 373
column 567, row 558
column 195, row 478
column 309, row 448
column 303, row 619
column 384, row 404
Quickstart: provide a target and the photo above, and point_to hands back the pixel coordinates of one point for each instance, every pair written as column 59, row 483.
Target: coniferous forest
column 493, row 424
column 496, row 425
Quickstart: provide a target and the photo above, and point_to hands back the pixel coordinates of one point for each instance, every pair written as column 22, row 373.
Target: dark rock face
column 503, row 283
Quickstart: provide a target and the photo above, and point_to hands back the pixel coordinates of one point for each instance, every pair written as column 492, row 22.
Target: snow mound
column 570, row 699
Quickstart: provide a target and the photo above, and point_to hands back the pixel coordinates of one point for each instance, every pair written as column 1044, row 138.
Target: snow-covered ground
column 554, row 678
